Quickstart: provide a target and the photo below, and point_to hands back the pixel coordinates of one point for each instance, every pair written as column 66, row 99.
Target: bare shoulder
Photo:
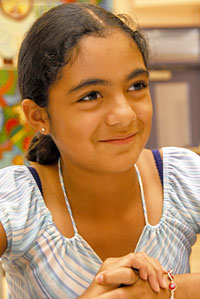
column 146, row 158
column 49, row 178
column 147, row 154
column 3, row 240
column 44, row 169
column 147, row 165
column 47, row 173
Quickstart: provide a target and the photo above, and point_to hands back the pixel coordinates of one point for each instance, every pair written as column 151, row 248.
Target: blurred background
column 172, row 28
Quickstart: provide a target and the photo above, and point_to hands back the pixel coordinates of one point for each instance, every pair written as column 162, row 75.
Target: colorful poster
column 15, row 134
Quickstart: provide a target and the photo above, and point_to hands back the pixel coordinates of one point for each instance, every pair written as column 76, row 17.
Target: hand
column 121, row 271
column 118, row 272
column 141, row 289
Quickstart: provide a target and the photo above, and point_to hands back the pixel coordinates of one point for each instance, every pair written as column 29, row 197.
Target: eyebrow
column 138, row 72
column 88, row 82
column 94, row 81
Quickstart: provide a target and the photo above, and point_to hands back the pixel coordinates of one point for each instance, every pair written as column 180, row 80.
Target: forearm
column 188, row 286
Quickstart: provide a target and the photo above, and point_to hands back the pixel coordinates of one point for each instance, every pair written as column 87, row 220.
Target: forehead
column 114, row 43
column 113, row 55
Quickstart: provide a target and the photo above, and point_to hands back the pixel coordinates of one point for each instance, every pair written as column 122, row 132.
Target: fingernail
column 99, row 278
column 144, row 276
column 164, row 270
column 157, row 289
column 164, row 284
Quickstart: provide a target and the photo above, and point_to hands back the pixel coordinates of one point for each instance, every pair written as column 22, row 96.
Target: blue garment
column 41, row 263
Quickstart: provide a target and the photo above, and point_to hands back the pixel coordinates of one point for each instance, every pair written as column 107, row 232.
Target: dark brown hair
column 47, row 48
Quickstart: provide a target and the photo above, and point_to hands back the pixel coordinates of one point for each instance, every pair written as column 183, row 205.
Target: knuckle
column 131, row 257
column 108, row 261
column 155, row 260
column 144, row 254
column 141, row 254
column 158, row 263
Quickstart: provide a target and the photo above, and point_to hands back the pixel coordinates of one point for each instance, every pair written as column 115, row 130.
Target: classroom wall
column 165, row 13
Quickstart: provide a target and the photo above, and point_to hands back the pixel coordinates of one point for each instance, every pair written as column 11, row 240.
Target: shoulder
column 13, row 175
column 179, row 153
column 182, row 184
column 13, row 171
column 22, row 209
column 182, row 180
column 181, row 170
column 15, row 180
column 181, row 162
column 18, row 191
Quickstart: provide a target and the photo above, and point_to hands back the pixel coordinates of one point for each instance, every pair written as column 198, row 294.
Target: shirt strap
column 159, row 163
column 34, row 173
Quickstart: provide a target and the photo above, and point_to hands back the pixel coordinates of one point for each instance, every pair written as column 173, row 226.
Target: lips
column 120, row 139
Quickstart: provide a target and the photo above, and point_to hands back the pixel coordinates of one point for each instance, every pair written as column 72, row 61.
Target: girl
column 89, row 218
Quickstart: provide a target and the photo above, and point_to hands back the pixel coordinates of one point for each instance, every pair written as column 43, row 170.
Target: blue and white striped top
column 41, row 263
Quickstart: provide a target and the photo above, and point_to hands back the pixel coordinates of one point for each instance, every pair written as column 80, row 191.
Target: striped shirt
column 41, row 263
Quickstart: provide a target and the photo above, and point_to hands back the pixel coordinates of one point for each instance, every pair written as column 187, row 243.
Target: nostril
column 121, row 116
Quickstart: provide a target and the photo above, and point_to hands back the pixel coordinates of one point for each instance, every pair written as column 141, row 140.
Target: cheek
column 73, row 128
column 145, row 112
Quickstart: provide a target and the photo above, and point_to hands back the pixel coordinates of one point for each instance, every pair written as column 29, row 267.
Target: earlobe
column 36, row 116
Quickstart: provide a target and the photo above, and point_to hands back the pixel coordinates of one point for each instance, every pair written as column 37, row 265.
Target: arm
column 3, row 240
column 188, row 287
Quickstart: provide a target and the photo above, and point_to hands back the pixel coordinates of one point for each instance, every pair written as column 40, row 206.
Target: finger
column 157, row 267
column 130, row 260
column 118, row 276
column 138, row 263
column 160, row 273
column 149, row 270
column 159, row 264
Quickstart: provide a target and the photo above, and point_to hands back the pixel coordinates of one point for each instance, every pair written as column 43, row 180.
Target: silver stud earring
column 43, row 129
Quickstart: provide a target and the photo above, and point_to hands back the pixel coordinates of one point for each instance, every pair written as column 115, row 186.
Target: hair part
column 48, row 47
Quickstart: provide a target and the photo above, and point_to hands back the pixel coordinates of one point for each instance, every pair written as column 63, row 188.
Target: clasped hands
column 117, row 278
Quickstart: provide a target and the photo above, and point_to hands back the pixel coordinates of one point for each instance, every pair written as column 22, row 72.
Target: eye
column 94, row 95
column 138, row 86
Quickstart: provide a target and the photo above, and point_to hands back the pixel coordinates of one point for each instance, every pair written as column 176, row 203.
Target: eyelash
column 140, row 84
column 95, row 94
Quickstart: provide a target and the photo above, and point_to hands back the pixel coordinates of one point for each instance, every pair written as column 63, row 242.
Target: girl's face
column 100, row 109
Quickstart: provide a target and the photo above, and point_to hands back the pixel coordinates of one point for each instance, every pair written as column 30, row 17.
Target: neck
column 100, row 194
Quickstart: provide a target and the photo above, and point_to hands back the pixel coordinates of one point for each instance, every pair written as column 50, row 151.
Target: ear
column 36, row 116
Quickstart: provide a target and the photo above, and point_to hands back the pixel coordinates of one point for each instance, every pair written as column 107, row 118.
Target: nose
column 121, row 112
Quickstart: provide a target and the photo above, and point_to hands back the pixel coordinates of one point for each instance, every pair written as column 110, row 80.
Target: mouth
column 122, row 139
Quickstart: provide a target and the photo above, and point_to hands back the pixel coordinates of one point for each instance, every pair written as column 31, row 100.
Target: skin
column 99, row 115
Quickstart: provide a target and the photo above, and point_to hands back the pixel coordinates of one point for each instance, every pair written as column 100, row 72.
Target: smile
column 120, row 140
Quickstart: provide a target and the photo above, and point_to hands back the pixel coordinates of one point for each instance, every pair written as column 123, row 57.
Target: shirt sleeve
column 182, row 183
column 20, row 209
